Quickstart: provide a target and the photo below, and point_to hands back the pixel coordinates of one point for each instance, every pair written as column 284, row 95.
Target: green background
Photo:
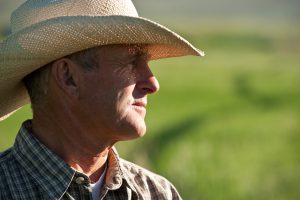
column 225, row 126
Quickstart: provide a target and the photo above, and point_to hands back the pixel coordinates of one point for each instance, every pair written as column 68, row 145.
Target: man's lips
column 140, row 103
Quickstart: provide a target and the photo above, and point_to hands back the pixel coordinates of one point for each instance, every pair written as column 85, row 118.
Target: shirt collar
column 50, row 172
column 117, row 175
column 114, row 175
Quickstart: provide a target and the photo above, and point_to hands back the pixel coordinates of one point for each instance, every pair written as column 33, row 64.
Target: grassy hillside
column 225, row 126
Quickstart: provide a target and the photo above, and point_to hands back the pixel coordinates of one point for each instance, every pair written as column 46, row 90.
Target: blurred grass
column 225, row 126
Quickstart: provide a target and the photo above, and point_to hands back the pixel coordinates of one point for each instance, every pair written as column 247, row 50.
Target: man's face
column 113, row 97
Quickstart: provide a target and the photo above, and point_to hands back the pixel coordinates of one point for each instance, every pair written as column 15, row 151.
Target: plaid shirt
column 29, row 170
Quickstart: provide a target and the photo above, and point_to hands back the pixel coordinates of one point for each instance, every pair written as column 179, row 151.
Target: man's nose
column 152, row 86
column 148, row 83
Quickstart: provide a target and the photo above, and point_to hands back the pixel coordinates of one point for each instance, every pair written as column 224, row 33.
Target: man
column 85, row 67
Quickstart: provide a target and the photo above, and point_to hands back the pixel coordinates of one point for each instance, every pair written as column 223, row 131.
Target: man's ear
column 66, row 76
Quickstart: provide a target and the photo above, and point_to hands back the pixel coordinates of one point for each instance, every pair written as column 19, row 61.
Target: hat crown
column 35, row 11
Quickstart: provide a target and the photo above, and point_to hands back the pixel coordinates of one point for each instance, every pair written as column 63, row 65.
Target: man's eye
column 133, row 64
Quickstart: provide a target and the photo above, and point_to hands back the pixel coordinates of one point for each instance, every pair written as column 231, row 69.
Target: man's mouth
column 140, row 106
column 140, row 103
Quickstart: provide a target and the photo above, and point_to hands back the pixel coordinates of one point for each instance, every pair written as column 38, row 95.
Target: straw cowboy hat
column 46, row 30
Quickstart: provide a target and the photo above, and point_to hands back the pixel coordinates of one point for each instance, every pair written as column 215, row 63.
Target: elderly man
column 84, row 65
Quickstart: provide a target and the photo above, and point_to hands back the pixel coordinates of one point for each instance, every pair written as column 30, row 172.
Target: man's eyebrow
column 141, row 54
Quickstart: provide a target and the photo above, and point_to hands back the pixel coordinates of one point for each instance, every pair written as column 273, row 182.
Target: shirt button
column 79, row 180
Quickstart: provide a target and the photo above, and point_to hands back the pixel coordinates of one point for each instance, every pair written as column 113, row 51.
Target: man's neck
column 72, row 144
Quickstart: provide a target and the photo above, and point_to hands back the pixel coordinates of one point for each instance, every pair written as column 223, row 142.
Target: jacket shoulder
column 6, row 158
column 132, row 169
column 147, row 182
column 5, row 154
column 6, row 162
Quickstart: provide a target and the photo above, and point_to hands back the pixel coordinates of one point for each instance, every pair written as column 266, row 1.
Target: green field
column 225, row 126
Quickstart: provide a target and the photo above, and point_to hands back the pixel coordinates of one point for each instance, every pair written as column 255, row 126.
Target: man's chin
column 138, row 133
column 135, row 133
column 131, row 127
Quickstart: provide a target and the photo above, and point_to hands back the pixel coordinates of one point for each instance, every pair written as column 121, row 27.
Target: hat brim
column 27, row 50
